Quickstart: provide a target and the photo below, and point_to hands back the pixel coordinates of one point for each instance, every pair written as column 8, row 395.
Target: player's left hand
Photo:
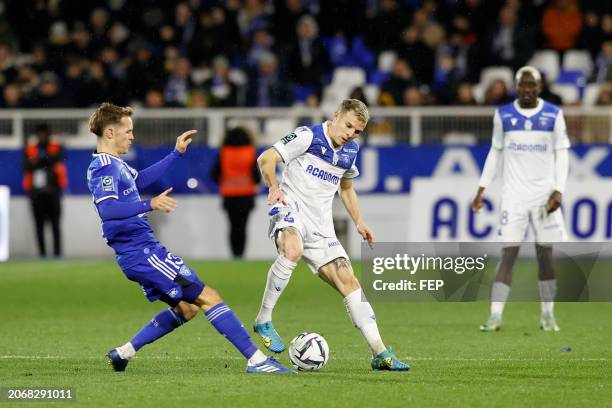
column 554, row 202
column 183, row 141
column 366, row 233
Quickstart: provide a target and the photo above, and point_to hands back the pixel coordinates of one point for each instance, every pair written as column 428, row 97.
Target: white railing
column 413, row 126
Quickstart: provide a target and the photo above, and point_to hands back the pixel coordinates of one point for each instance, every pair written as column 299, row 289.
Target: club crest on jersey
column 185, row 271
column 323, row 149
column 513, row 121
column 173, row 293
column 107, row 183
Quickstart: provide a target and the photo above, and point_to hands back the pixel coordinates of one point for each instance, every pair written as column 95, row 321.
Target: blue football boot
column 118, row 363
column 270, row 337
column 388, row 361
column 269, row 366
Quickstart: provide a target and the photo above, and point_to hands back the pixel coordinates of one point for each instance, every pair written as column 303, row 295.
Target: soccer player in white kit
column 531, row 137
column 319, row 161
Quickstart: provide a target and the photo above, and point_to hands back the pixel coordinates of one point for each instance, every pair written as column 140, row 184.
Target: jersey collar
column 531, row 111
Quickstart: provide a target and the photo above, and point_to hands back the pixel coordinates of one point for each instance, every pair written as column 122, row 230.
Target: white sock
column 499, row 295
column 126, row 351
column 362, row 316
column 278, row 278
column 548, row 291
column 257, row 358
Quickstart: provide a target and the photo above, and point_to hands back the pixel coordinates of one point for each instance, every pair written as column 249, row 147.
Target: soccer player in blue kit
column 162, row 275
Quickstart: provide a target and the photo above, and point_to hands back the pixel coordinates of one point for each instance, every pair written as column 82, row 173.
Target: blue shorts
column 164, row 276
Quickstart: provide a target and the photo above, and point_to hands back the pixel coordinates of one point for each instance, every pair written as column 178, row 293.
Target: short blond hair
column 355, row 105
column 107, row 114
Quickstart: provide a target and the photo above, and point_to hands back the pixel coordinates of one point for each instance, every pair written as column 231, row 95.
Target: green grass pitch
column 58, row 319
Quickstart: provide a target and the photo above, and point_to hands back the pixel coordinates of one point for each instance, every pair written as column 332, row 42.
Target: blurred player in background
column 162, row 275
column 320, row 161
column 531, row 137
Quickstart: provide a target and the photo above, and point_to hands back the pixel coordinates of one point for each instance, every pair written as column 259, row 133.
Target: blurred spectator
column 605, row 96
column 418, row 55
column 497, row 93
column 8, row 72
column 392, row 90
column 48, row 94
column 561, row 24
column 464, row 95
column 547, row 94
column 251, row 17
column 179, row 84
column 237, row 174
column 266, row 88
column 413, row 97
column 146, row 71
column 359, row 94
column 44, row 179
column 12, row 97
column 384, row 29
column 219, row 89
column 154, row 99
column 285, row 19
column 212, row 26
column 603, row 64
column 262, row 42
column 308, row 59
column 507, row 42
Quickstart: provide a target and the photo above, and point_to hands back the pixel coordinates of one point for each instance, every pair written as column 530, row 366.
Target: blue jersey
column 110, row 178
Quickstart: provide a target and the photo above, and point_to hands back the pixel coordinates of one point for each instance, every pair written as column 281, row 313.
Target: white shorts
column 515, row 219
column 318, row 250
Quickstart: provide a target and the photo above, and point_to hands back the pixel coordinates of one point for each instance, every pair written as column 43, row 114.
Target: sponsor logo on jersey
column 129, row 190
column 322, row 174
column 173, row 293
column 527, row 147
column 289, row 138
column 350, row 150
column 107, row 183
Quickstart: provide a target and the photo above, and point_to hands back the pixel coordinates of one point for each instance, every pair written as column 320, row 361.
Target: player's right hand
column 275, row 195
column 477, row 203
column 163, row 202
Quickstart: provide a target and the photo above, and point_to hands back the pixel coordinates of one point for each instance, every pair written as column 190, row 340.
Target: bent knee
column 208, row 299
column 291, row 245
column 293, row 252
column 187, row 310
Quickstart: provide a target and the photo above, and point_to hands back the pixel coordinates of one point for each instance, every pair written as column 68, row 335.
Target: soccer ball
column 308, row 352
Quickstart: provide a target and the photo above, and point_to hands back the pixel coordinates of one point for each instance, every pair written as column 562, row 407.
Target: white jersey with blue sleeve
column 528, row 139
column 312, row 174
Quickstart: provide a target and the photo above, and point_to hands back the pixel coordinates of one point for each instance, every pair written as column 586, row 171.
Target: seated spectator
column 464, row 95
column 308, row 60
column 413, row 97
column 179, row 84
column 508, row 42
column 497, row 93
column 266, row 88
column 418, row 55
column 48, row 94
column 154, row 99
column 392, row 90
column 12, row 97
column 219, row 90
column 562, row 24
column 603, row 64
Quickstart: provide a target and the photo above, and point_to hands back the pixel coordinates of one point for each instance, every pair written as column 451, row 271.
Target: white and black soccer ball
column 308, row 352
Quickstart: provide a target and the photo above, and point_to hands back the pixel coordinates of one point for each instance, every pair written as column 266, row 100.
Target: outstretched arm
column 155, row 171
column 267, row 162
column 349, row 199
column 112, row 209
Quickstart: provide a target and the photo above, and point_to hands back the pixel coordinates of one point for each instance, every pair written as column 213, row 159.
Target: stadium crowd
column 227, row 53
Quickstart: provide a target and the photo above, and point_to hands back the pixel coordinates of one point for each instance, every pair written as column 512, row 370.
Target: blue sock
column 226, row 323
column 159, row 326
